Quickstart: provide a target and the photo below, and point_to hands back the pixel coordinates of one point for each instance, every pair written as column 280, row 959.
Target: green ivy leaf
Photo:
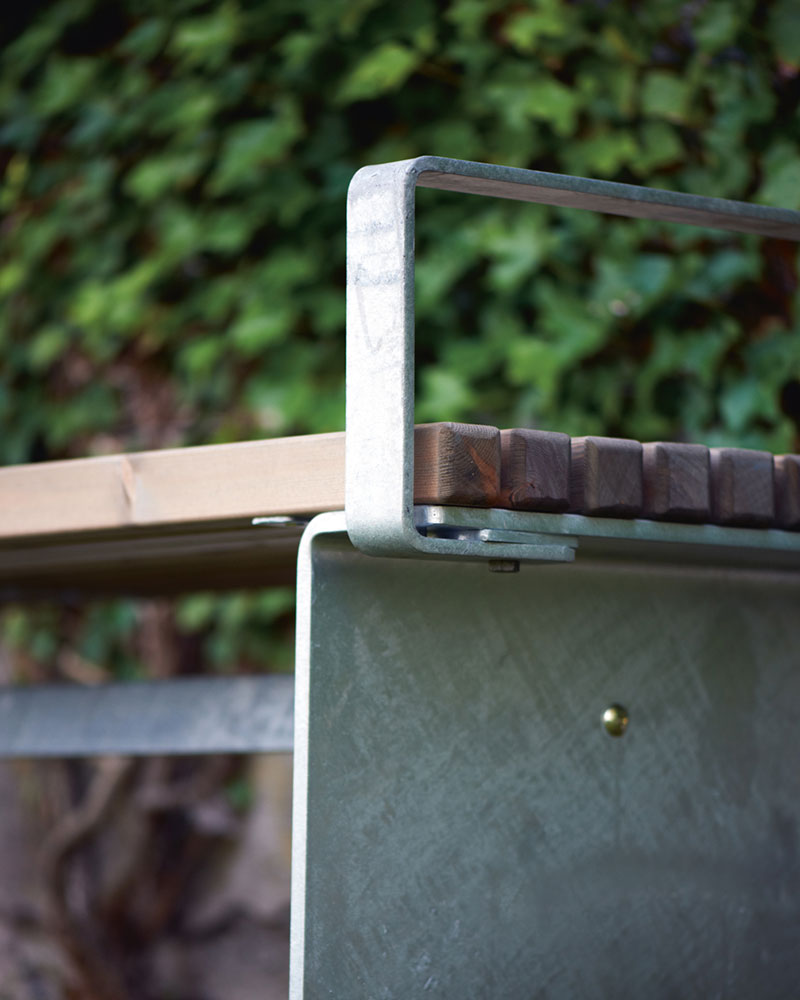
column 257, row 330
column 207, row 40
column 153, row 177
column 385, row 69
column 253, row 145
column 526, row 28
column 719, row 23
column 783, row 30
column 781, row 184
column 666, row 95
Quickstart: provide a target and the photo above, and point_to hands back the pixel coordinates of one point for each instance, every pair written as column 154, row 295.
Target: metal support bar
column 620, row 538
column 380, row 321
column 193, row 715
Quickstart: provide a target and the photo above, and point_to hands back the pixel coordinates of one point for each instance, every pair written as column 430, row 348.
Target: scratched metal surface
column 465, row 828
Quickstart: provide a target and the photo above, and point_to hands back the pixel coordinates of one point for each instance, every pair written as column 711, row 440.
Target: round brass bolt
column 615, row 719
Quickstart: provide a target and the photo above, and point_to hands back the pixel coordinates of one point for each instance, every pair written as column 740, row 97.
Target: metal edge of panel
column 322, row 525
column 191, row 715
column 380, row 319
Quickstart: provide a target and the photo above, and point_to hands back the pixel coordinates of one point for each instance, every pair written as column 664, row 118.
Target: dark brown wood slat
column 534, row 472
column 606, row 477
column 742, row 487
column 456, row 464
column 787, row 491
column 676, row 481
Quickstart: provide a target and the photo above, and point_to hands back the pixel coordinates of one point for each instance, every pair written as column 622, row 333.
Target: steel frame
column 380, row 323
column 463, row 824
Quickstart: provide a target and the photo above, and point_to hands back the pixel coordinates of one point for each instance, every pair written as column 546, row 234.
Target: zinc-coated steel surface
column 380, row 319
column 465, row 827
column 661, row 541
column 186, row 716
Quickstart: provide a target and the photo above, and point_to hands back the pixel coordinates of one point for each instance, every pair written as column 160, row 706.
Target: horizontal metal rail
column 631, row 200
column 192, row 715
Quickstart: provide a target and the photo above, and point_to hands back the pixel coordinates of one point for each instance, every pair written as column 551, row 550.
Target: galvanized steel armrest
column 380, row 320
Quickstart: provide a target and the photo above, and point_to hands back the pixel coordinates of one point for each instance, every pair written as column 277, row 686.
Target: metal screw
column 615, row 719
column 504, row 565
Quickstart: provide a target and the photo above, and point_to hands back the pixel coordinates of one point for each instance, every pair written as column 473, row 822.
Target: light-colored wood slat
column 211, row 483
column 456, row 463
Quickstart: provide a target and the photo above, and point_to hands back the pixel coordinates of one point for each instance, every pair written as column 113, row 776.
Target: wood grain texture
column 787, row 491
column 173, row 520
column 606, row 477
column 535, row 468
column 220, row 483
column 742, row 488
column 457, row 464
column 676, row 481
column 298, row 475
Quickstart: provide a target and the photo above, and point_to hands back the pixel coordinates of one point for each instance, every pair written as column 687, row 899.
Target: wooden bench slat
column 206, row 484
column 676, row 482
column 606, row 478
column 742, row 488
column 787, row 491
column 535, row 470
column 457, row 464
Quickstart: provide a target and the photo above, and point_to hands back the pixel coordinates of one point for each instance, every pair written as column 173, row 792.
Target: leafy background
column 172, row 256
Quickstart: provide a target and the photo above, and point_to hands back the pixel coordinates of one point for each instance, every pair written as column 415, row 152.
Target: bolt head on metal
column 615, row 720
column 504, row 565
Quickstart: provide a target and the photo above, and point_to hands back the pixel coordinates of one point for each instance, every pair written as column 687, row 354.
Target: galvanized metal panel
column 464, row 825
column 192, row 715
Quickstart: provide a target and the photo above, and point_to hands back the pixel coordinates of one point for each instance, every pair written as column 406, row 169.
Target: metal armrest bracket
column 380, row 326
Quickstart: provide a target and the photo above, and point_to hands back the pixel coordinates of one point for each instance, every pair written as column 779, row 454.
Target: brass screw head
column 615, row 719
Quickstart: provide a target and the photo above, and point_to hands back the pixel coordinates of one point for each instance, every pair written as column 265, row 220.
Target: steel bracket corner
column 379, row 500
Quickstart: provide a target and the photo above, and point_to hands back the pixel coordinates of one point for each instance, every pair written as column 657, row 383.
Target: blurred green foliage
column 173, row 198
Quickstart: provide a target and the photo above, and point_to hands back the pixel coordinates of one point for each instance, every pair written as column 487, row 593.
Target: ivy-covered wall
column 173, row 216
